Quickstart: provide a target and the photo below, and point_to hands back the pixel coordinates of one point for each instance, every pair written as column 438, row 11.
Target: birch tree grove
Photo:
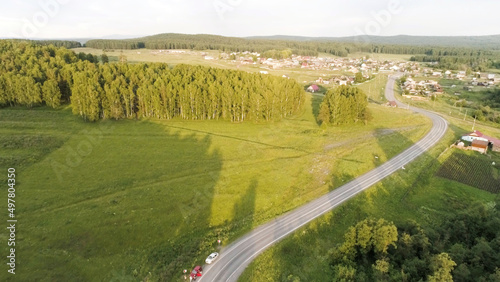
column 32, row 75
column 344, row 105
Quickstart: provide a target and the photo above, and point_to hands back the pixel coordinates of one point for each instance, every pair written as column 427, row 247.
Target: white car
column 211, row 258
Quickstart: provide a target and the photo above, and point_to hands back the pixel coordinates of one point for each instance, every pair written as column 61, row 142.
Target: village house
column 313, row 88
column 476, row 135
column 391, row 104
column 461, row 75
column 437, row 74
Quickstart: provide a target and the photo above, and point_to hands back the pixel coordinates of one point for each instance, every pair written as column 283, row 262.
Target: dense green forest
column 466, row 247
column 60, row 43
column 484, row 42
column 32, row 74
column 476, row 61
column 344, row 105
column 190, row 92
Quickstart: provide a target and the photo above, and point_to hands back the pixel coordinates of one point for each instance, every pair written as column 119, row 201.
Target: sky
column 317, row 18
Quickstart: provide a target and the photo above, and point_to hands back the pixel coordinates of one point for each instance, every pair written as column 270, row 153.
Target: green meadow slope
column 148, row 198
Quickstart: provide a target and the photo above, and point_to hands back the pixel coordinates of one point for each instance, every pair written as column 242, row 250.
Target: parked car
column 211, row 257
column 196, row 272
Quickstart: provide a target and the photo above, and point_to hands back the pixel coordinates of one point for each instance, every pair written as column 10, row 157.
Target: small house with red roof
column 313, row 88
column 476, row 135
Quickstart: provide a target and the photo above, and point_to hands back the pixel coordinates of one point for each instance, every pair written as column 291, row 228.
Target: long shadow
column 315, row 104
column 135, row 206
column 244, row 209
column 392, row 149
column 239, row 139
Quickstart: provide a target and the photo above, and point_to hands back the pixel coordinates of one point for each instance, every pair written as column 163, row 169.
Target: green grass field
column 410, row 194
column 147, row 198
column 375, row 88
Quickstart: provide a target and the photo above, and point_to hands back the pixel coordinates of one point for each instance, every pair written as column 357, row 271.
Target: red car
column 196, row 272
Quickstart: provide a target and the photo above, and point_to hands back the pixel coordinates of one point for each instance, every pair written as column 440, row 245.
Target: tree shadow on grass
column 400, row 144
column 137, row 202
column 316, row 100
column 244, row 209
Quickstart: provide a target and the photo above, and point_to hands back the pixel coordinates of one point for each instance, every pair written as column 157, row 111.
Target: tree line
column 68, row 44
column 474, row 62
column 466, row 247
column 298, row 47
column 344, row 105
column 32, row 75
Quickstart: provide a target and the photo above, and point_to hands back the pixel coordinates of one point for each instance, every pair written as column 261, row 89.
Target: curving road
column 237, row 256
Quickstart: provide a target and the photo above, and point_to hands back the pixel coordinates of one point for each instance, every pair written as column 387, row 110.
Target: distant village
column 353, row 65
column 416, row 89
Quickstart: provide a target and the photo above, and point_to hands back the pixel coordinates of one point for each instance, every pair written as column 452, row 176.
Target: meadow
column 413, row 194
column 136, row 199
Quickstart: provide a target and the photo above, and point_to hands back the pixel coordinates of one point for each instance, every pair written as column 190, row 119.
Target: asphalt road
column 237, row 256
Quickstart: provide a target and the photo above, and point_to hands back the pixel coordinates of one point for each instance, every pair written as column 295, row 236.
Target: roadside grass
column 375, row 88
column 444, row 104
column 410, row 194
column 135, row 199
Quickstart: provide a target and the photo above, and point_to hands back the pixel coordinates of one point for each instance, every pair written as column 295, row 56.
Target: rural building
column 391, row 104
column 313, row 88
column 480, row 146
column 461, row 75
column 495, row 144
column 477, row 135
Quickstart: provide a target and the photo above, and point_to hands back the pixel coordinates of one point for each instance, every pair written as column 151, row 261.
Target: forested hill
column 32, row 75
column 56, row 42
column 491, row 42
column 413, row 45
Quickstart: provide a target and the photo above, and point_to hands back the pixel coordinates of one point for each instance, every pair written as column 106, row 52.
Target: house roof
column 475, row 133
column 480, row 144
column 495, row 141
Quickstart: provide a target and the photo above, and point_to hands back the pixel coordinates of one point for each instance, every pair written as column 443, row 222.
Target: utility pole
column 474, row 124
column 465, row 114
